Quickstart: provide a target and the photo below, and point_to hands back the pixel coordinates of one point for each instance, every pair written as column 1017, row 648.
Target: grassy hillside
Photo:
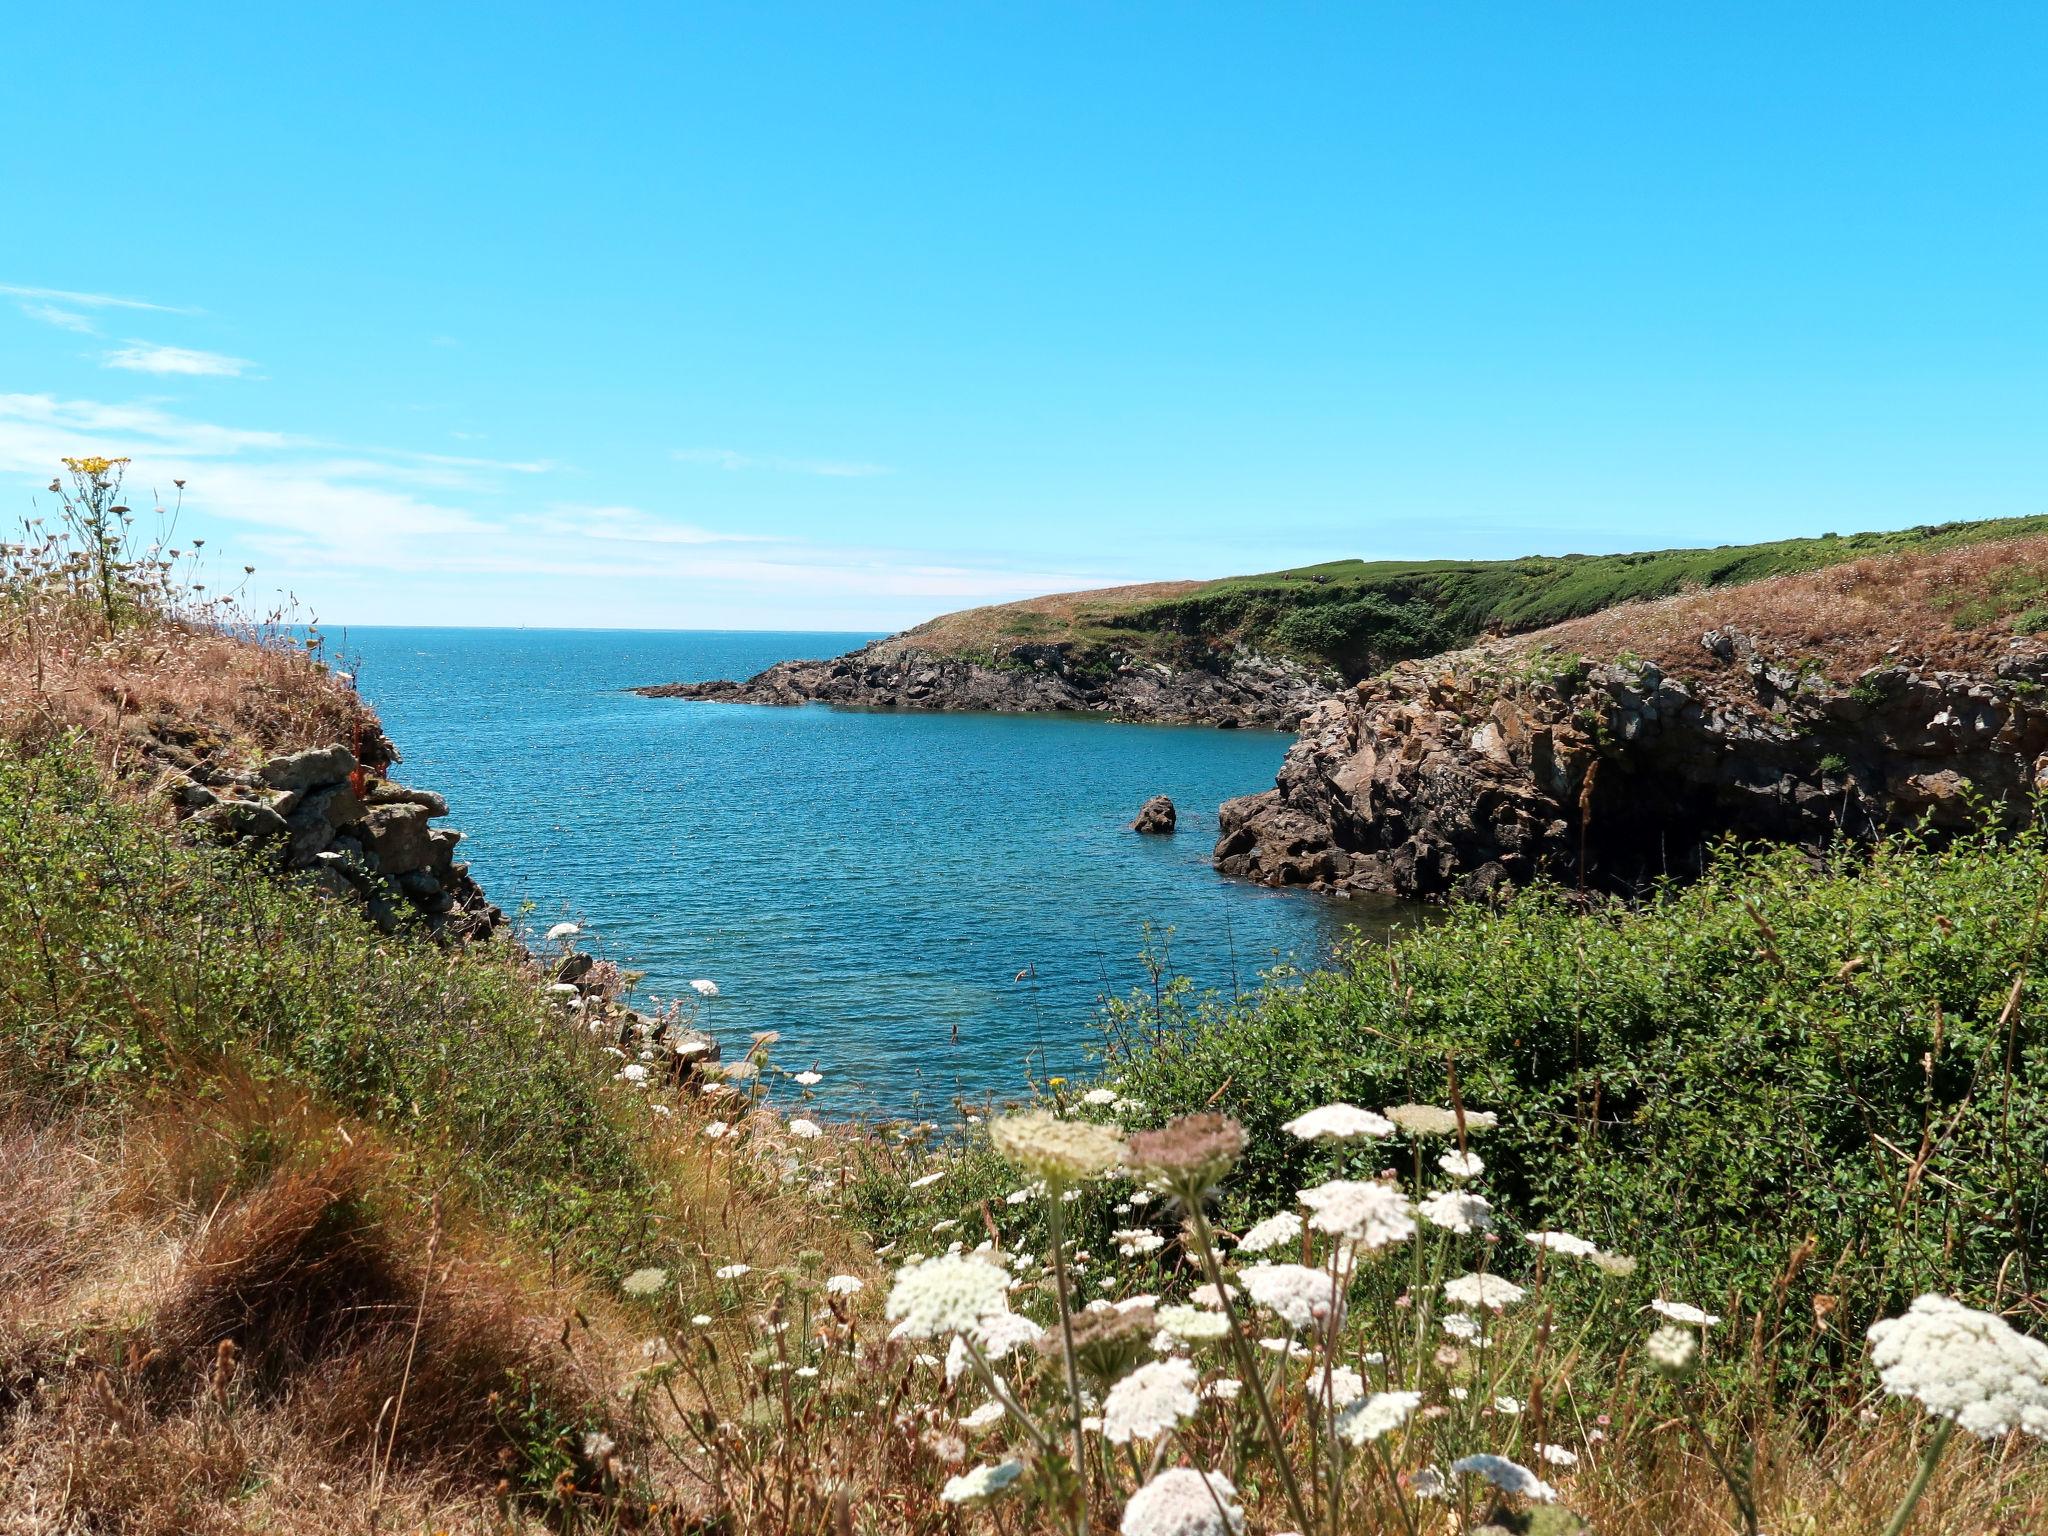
column 1357, row 616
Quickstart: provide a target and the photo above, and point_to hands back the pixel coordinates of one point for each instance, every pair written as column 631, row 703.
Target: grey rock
column 303, row 770
column 387, row 793
column 238, row 821
column 397, row 835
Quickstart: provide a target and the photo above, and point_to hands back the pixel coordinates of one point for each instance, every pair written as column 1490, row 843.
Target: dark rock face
column 1461, row 774
column 1155, row 815
column 325, row 819
column 1242, row 689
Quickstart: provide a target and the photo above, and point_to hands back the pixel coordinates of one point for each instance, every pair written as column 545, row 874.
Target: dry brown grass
column 1947, row 609
column 1050, row 618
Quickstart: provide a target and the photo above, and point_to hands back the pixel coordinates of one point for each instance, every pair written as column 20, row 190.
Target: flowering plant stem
column 1906, row 1505
column 1205, row 1245
column 1055, row 1227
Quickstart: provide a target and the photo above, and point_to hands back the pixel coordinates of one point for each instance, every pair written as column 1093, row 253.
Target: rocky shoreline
column 1240, row 689
column 1481, row 769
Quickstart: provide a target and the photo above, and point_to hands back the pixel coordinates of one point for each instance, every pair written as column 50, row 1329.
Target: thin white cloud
column 63, row 319
column 727, row 459
column 91, row 300
column 35, row 430
column 148, row 357
column 632, row 525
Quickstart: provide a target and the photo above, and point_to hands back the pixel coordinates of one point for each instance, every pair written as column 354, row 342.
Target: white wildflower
column 1338, row 1122
column 845, row 1285
column 1184, row 1502
column 1458, row 1211
column 808, row 1130
column 1562, row 1242
column 634, row 1074
column 732, row 1271
column 1420, row 1120
column 927, row 1180
column 1462, row 1326
column 564, row 931
column 1223, row 1389
column 716, row 1129
column 1428, row 1484
column 808, row 1079
column 1507, row 1476
column 946, row 1295
column 1558, row 1456
column 1099, row 1096
column 644, row 1282
column 1192, row 1325
column 982, row 1417
column 1961, row 1364
column 1151, row 1401
column 1273, row 1232
column 1001, row 1333
column 1341, row 1383
column 1507, row 1405
column 1462, row 1165
column 1673, row 1351
column 704, row 988
column 981, row 1483
column 1299, row 1296
column 1136, row 1243
column 1367, row 1213
column 1683, row 1312
column 1488, row 1291
column 1380, row 1414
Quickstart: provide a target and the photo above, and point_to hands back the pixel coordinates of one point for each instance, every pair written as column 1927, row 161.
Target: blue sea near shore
column 869, row 883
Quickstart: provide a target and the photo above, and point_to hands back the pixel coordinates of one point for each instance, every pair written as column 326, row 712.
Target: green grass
column 1702, row 1082
column 1359, row 616
column 137, row 970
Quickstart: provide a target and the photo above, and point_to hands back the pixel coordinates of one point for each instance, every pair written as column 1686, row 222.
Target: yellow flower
column 92, row 468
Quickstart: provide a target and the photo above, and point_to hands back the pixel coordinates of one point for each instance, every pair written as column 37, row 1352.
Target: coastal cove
column 869, row 883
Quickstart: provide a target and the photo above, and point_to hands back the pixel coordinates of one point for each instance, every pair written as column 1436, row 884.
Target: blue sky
column 837, row 316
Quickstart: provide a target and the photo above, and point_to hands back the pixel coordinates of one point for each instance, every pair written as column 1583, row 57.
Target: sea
column 928, row 909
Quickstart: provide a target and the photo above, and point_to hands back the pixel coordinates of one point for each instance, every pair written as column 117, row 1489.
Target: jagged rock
column 303, row 770
column 1155, row 815
column 398, row 836
column 384, row 792
column 574, row 967
column 1457, row 776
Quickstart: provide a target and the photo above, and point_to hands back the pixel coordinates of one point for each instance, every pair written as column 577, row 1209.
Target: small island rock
column 1157, row 815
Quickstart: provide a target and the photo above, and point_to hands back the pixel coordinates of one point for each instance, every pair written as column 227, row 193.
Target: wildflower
column 732, row 1271
column 982, row 1417
column 1683, row 1312
column 644, row 1282
column 1192, row 1325
column 1187, row 1157
column 701, row 1320
column 1458, row 1211
column 1420, row 1120
column 946, row 1295
column 1223, row 1389
column 632, row 1073
column 1370, row 1214
column 1270, row 1233
column 1507, row 1476
column 1058, row 1152
column 809, row 1079
column 1099, row 1096
column 927, row 1180
column 1299, row 1296
column 981, row 1483
column 1205, row 1295
column 1489, row 1291
column 1342, row 1384
column 1961, row 1364
column 1462, row 1165
column 1136, row 1243
column 1184, row 1502
column 1615, row 1266
column 564, row 931
column 1149, row 1402
column 1338, row 1122
column 1108, row 1341
column 809, row 1130
column 704, row 988
column 1507, row 1405
column 1673, row 1351
column 1428, row 1483
column 1558, row 1456
column 1002, row 1332
column 716, row 1129
column 844, row 1285
column 1462, row 1326
column 1562, row 1242
column 597, row 1446
column 1381, row 1414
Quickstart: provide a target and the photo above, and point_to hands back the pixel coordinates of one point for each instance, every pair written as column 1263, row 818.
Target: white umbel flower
column 1192, row 1325
column 949, row 1294
column 1152, row 1401
column 808, row 1130
column 1380, row 1414
column 1338, row 1122
column 1343, row 1385
column 1365, row 1213
column 1965, row 1365
column 1273, row 1232
column 1683, row 1312
column 1299, row 1296
column 564, row 931
column 981, row 1483
column 1184, row 1502
column 704, row 988
column 1507, row 1476
column 1458, row 1211
column 1489, row 1291
column 1673, row 1351
column 1001, row 1333
column 1562, row 1242
column 845, row 1285
column 1462, row 1165
column 982, row 1417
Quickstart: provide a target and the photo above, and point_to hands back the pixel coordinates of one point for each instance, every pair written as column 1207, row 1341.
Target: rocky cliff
column 1616, row 750
column 1241, row 688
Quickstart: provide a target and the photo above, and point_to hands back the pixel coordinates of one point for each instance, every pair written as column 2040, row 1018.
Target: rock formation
column 1504, row 764
column 1241, row 688
column 1155, row 815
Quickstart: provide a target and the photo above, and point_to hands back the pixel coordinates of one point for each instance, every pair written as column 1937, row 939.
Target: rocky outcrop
column 1498, row 766
column 323, row 817
column 1240, row 688
column 1156, row 815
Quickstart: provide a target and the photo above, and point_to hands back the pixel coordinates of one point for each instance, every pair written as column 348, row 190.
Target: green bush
column 135, row 968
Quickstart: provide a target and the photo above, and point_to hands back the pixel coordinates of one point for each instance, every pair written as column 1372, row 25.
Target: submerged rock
column 1156, row 815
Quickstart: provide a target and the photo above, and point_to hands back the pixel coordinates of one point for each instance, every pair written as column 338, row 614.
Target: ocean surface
column 926, row 906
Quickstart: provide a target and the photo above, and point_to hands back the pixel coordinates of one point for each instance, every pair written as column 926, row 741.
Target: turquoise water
column 869, row 883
